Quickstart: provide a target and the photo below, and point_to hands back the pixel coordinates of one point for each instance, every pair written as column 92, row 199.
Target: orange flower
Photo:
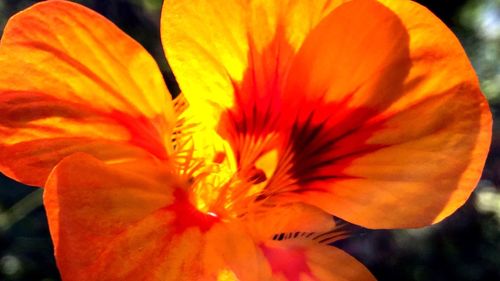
column 292, row 111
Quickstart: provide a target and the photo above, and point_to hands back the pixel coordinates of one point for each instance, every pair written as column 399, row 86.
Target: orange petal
column 285, row 219
column 394, row 135
column 230, row 250
column 89, row 203
column 452, row 75
column 212, row 51
column 222, row 253
column 335, row 79
column 314, row 262
column 65, row 87
column 387, row 158
column 110, row 222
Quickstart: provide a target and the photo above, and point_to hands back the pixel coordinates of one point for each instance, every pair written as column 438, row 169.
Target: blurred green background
column 465, row 247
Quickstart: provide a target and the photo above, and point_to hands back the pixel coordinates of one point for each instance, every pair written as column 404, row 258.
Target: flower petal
column 314, row 262
column 286, row 219
column 387, row 158
column 109, row 222
column 212, row 51
column 89, row 203
column 65, row 87
column 394, row 135
column 223, row 252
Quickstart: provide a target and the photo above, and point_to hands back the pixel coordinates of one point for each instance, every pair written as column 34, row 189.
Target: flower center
column 224, row 193
column 216, row 184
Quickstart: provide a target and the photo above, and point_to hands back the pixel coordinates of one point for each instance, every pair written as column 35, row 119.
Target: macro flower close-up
column 297, row 122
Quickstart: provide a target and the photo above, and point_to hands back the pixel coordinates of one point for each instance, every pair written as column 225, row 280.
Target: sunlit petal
column 66, row 87
column 416, row 161
column 376, row 108
column 212, row 51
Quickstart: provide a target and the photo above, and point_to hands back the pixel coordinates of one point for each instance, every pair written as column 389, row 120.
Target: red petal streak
column 259, row 109
column 143, row 133
column 19, row 108
column 291, row 263
column 187, row 216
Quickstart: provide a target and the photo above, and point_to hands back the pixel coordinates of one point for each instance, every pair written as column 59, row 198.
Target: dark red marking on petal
column 258, row 109
column 255, row 175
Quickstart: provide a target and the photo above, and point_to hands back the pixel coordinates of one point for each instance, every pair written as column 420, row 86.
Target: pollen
column 212, row 214
column 227, row 275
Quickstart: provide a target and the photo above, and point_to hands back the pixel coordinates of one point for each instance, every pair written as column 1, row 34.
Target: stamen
column 214, row 186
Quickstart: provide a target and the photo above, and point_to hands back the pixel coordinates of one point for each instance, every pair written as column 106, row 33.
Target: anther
column 256, row 176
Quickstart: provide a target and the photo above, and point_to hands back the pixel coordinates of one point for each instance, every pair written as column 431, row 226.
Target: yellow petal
column 211, row 52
